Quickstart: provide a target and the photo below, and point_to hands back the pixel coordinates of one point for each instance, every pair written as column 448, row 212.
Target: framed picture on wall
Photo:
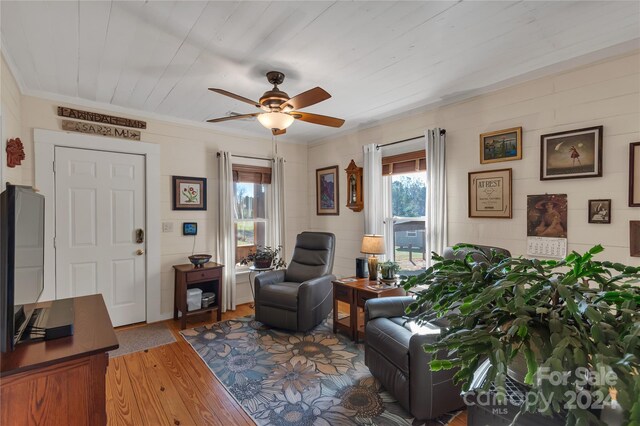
column 502, row 145
column 490, row 194
column 571, row 155
column 634, row 235
column 189, row 193
column 547, row 215
column 599, row 211
column 634, row 174
column 327, row 191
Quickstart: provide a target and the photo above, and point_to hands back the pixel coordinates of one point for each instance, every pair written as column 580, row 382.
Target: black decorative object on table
column 199, row 260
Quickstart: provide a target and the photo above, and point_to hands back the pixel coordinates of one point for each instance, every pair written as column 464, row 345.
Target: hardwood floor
column 170, row 385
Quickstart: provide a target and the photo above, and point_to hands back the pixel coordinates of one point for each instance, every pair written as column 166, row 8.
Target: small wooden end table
column 208, row 278
column 356, row 293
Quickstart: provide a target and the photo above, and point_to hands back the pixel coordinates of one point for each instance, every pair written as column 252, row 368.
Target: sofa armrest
column 313, row 292
column 386, row 307
column 270, row 277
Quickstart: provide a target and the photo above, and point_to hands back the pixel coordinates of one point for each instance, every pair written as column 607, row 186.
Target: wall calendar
column 547, row 247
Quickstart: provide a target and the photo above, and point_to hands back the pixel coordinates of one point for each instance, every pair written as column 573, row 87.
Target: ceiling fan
column 279, row 110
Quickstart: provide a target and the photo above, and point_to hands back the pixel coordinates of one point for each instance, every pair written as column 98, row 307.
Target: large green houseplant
column 569, row 319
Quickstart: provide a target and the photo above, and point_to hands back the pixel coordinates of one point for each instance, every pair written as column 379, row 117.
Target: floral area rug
column 281, row 378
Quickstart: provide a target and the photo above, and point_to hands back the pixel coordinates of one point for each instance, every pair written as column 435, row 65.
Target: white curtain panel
column 373, row 190
column 226, row 249
column 276, row 206
column 436, row 208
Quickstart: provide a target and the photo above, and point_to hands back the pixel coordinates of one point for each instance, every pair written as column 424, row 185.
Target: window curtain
column 373, row 191
column 276, row 206
column 436, row 204
column 226, row 247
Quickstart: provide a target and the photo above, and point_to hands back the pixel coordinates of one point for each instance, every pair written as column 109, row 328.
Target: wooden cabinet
column 62, row 381
column 208, row 278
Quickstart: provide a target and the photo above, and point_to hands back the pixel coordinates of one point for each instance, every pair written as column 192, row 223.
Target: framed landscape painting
column 570, row 155
column 502, row 145
column 189, row 193
column 327, row 191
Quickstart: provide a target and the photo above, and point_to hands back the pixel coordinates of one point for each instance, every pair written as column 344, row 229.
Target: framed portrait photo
column 502, row 145
column 189, row 193
column 547, row 215
column 634, row 174
column 572, row 154
column 327, row 191
column 600, row 211
column 490, row 194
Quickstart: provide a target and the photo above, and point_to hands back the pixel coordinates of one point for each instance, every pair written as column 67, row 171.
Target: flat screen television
column 21, row 260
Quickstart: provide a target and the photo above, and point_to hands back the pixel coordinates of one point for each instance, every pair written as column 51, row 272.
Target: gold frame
column 518, row 156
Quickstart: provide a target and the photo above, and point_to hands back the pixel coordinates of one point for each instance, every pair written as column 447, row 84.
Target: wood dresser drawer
column 362, row 298
column 206, row 275
column 342, row 294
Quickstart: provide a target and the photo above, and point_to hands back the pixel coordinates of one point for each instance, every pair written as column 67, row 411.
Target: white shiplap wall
column 185, row 150
column 11, row 123
column 605, row 93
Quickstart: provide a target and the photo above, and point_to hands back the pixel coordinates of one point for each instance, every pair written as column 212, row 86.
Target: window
column 406, row 219
column 250, row 186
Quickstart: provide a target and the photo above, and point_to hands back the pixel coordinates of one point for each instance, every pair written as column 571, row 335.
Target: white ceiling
column 377, row 59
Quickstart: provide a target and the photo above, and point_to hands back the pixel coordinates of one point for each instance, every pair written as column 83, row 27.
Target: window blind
column 251, row 174
column 409, row 162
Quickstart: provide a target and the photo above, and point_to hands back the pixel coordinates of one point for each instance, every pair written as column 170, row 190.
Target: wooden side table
column 208, row 278
column 355, row 294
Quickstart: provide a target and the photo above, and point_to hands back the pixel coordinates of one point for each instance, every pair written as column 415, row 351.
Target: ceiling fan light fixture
column 275, row 120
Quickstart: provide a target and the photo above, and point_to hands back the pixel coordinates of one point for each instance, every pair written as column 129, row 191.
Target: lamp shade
column 275, row 120
column 372, row 244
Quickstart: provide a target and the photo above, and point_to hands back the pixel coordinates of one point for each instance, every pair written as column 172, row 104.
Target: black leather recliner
column 395, row 356
column 300, row 297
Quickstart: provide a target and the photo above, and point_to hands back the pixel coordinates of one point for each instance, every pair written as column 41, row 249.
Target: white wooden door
column 99, row 204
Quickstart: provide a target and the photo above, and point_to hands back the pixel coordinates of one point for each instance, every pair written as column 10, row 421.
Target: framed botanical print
column 327, row 191
column 490, row 194
column 634, row 174
column 570, row 155
column 502, row 145
column 189, row 193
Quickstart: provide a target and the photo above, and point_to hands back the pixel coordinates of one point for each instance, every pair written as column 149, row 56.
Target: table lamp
column 373, row 244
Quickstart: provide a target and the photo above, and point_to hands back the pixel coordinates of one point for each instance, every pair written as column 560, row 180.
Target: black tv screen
column 21, row 261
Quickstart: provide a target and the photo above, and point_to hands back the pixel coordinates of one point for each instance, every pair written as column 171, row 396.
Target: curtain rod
column 442, row 132
column 248, row 156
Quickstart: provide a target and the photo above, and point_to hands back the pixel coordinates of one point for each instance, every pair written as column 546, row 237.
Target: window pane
column 250, row 201
column 249, row 235
column 409, row 245
column 408, row 194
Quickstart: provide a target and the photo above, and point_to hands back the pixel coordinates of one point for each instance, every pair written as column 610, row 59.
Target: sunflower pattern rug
column 280, row 378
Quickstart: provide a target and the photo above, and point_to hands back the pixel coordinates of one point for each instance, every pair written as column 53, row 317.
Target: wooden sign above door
column 100, row 118
column 100, row 129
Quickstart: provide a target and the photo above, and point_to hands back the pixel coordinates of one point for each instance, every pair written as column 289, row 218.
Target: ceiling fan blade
column 236, row 97
column 305, row 99
column 277, row 132
column 232, row 117
column 323, row 120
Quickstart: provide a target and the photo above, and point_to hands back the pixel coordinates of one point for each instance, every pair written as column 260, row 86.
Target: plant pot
column 263, row 263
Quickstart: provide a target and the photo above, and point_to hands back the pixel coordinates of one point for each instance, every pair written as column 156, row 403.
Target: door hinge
column 54, row 167
column 54, row 242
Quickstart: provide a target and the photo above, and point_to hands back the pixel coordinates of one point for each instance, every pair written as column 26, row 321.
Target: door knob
column 139, row 252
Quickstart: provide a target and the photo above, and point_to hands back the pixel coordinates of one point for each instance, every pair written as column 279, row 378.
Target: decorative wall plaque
column 100, row 118
column 15, row 152
column 100, row 129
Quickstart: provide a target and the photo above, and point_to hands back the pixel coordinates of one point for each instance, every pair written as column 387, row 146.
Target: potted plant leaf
column 265, row 257
column 577, row 319
column 389, row 269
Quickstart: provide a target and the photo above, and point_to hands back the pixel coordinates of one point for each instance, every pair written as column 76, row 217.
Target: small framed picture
column 189, row 228
column 547, row 215
column 571, row 155
column 502, row 145
column 327, row 191
column 490, row 194
column 634, row 235
column 189, row 193
column 599, row 211
column 634, row 174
